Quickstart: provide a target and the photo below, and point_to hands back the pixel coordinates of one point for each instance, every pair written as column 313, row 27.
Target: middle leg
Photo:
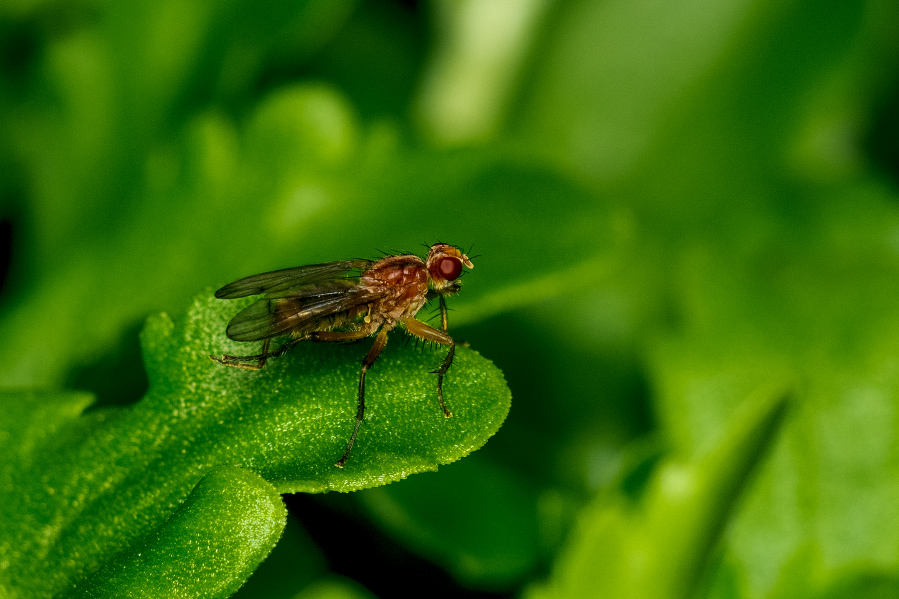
column 373, row 353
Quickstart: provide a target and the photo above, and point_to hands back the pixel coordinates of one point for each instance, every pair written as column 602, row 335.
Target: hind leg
column 260, row 358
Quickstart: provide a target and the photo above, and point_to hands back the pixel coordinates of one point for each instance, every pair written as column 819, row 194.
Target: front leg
column 428, row 333
column 443, row 320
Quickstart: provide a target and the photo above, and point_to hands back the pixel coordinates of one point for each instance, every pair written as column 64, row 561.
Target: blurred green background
column 686, row 216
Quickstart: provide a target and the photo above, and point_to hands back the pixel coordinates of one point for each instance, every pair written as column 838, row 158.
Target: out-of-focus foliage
column 656, row 545
column 676, row 205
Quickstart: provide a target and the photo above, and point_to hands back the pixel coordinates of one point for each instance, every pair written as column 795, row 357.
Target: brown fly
column 347, row 301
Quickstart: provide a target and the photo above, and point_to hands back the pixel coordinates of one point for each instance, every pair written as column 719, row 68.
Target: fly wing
column 288, row 278
column 286, row 311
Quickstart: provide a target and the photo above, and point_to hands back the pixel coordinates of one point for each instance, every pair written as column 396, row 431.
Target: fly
column 347, row 301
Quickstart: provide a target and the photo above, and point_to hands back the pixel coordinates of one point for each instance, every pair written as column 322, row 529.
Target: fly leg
column 444, row 366
column 444, row 324
column 443, row 320
column 428, row 333
column 260, row 358
column 380, row 342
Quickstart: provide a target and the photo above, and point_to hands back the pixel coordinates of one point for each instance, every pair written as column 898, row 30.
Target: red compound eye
column 450, row 268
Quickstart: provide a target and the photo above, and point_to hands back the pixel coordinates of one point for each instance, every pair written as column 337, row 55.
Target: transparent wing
column 286, row 311
column 288, row 278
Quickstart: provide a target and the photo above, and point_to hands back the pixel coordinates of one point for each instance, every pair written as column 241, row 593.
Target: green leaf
column 622, row 90
column 816, row 299
column 293, row 564
column 81, row 502
column 30, row 419
column 336, row 588
column 296, row 416
column 658, row 545
column 207, row 548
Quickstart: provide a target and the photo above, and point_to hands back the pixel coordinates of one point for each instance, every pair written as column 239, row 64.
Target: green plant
column 686, row 215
